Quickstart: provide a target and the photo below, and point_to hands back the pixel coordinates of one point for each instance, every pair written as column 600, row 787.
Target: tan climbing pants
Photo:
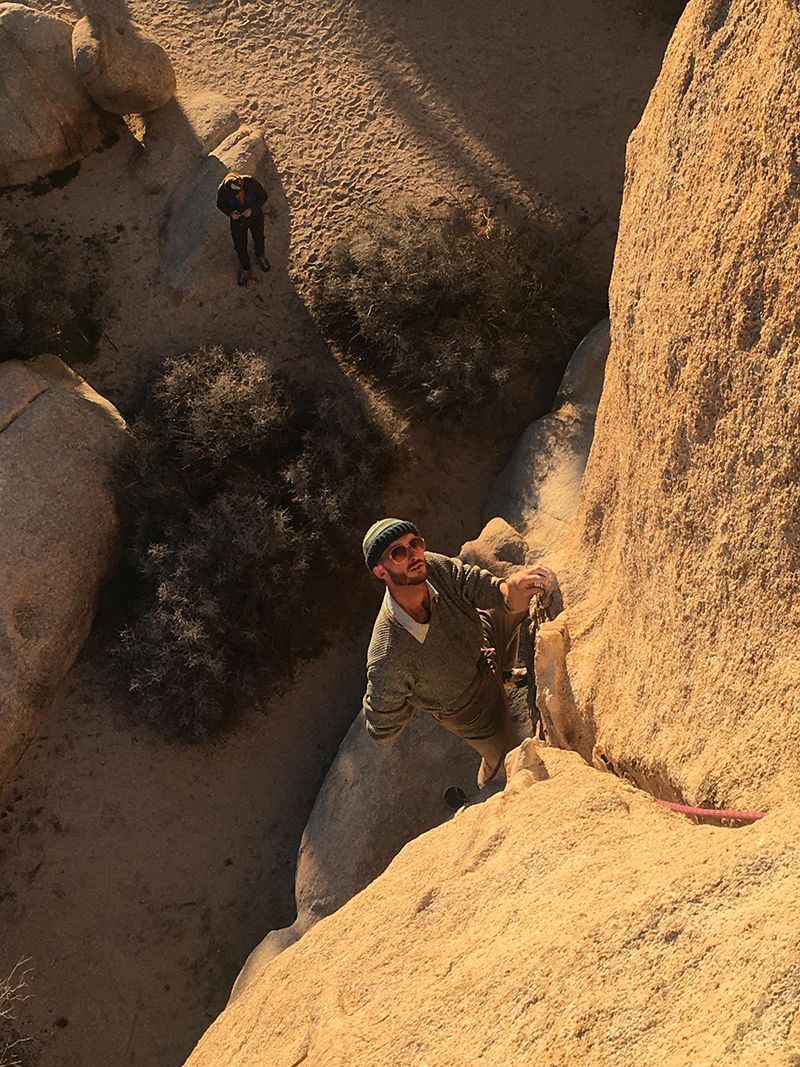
column 484, row 722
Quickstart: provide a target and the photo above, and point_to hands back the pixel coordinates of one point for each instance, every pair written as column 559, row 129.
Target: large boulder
column 194, row 228
column 568, row 920
column 123, row 69
column 678, row 661
column 47, row 120
column 375, row 799
column 59, row 531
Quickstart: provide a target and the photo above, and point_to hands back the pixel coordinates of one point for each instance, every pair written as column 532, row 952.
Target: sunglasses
column 401, row 552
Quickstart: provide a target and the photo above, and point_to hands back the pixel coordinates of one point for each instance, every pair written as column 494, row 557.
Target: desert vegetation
column 12, row 994
column 443, row 304
column 46, row 305
column 242, row 491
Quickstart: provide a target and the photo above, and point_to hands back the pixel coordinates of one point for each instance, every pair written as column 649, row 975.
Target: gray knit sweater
column 441, row 672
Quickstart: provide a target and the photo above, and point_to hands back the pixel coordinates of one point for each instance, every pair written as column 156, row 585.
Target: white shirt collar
column 419, row 630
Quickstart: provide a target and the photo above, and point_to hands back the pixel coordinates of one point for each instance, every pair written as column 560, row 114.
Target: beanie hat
column 381, row 534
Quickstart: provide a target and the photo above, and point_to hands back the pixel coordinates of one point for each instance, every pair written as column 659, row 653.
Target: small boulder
column 59, row 531
column 499, row 548
column 123, row 69
column 47, row 120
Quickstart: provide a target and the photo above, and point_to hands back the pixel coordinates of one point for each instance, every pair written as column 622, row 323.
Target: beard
column 416, row 577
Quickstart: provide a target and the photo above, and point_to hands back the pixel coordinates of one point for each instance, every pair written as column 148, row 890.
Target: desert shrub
column 241, row 491
column 441, row 304
column 12, row 994
column 44, row 305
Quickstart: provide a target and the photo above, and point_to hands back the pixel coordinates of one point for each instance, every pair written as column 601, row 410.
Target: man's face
column 403, row 562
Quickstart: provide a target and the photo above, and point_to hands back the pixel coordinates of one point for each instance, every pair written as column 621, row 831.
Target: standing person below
column 241, row 197
column 436, row 616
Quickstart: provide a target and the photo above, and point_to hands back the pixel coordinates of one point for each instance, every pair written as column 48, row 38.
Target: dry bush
column 242, row 491
column 44, row 305
column 12, row 994
column 440, row 304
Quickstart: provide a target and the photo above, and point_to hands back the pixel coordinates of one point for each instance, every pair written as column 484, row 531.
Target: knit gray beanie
column 381, row 534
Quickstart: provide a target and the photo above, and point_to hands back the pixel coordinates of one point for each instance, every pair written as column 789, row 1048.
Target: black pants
column 239, row 228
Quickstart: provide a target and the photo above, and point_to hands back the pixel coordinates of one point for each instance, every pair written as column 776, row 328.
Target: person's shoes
column 454, row 797
column 516, row 678
column 242, row 276
column 263, row 262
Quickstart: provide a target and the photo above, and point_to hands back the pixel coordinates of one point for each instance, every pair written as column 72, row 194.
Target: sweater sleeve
column 257, row 192
column 480, row 587
column 386, row 706
column 222, row 201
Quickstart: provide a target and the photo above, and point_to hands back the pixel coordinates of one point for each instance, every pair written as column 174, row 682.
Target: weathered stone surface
column 538, row 490
column 682, row 576
column 194, row 227
column 47, row 120
column 210, row 118
column 568, row 920
column 58, row 530
column 374, row 800
column 123, row 69
column 499, row 548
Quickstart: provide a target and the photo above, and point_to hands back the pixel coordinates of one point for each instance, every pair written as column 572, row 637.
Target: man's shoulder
column 440, row 569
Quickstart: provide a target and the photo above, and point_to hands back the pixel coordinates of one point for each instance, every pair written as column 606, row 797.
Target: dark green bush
column 44, row 306
column 440, row 305
column 241, row 491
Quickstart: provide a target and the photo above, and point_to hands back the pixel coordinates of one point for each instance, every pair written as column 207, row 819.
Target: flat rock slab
column 194, row 227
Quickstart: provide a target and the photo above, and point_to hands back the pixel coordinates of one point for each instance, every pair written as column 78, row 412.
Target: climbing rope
column 713, row 813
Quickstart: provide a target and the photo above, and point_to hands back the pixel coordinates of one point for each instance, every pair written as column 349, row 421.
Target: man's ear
column 380, row 572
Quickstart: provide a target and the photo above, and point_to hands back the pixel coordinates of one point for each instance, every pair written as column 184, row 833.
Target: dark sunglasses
column 402, row 552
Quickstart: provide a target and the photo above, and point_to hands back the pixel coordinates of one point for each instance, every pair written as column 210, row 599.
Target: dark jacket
column 254, row 196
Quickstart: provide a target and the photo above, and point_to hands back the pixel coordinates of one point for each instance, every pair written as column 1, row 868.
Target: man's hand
column 235, row 215
column 521, row 586
column 247, row 213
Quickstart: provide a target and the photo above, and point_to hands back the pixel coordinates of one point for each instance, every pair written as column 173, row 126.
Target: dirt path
column 138, row 875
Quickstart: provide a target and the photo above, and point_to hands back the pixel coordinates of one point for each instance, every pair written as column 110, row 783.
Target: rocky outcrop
column 567, row 920
column 58, row 530
column 194, row 228
column 679, row 653
column 123, row 69
column 537, row 492
column 47, row 120
column 375, row 799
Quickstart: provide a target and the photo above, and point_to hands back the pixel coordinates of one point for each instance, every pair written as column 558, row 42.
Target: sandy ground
column 138, row 875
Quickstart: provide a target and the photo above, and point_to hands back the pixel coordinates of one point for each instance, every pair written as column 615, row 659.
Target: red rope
column 713, row 813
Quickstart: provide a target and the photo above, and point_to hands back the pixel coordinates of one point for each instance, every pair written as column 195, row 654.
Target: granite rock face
column 680, row 659
column 47, row 120
column 124, row 70
column 568, row 920
column 60, row 531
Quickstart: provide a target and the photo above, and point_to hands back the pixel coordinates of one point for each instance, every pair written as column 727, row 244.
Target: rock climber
column 437, row 614
column 240, row 197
